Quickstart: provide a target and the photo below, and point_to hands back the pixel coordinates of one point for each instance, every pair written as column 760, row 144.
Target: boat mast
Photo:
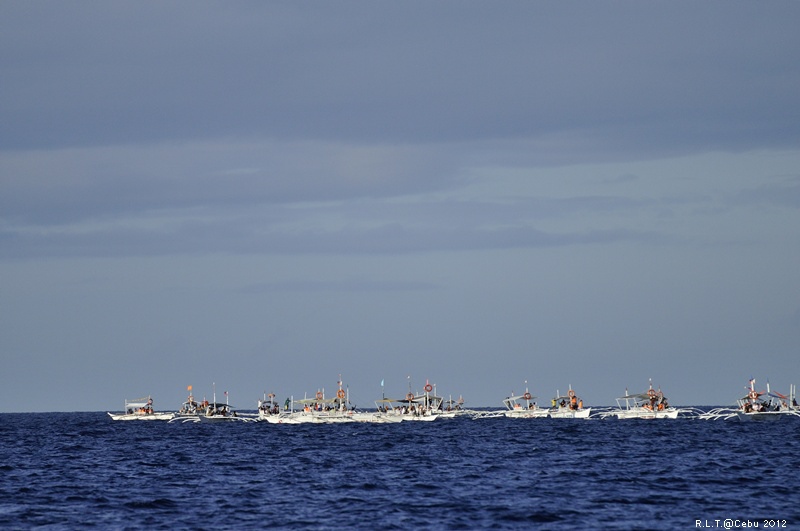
column 527, row 393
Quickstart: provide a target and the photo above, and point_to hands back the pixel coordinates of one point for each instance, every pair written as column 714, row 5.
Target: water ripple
column 81, row 470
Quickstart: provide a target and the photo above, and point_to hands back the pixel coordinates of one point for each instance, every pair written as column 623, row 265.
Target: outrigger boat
column 766, row 405
column 217, row 412
column 319, row 409
column 210, row 411
column 411, row 408
column 757, row 405
column 191, row 408
column 269, row 410
column 568, row 407
column 651, row 404
column 425, row 407
column 523, row 406
column 140, row 409
column 453, row 408
column 792, row 400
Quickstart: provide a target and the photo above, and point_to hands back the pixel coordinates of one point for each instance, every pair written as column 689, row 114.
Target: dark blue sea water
column 81, row 470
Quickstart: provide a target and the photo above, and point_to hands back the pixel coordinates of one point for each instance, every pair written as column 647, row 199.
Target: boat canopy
column 219, row 405
column 415, row 400
column 318, row 400
column 139, row 402
column 639, row 396
column 520, row 397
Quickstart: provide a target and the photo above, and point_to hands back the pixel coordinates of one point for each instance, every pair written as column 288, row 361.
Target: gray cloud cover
column 449, row 185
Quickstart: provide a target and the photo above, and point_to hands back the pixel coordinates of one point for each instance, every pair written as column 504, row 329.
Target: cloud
column 350, row 286
column 664, row 78
column 374, row 185
column 784, row 193
column 72, row 185
column 370, row 227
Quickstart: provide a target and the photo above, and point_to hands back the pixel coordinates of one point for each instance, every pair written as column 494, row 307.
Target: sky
column 260, row 197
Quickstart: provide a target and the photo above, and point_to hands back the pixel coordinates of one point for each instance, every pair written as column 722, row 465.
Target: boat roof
column 220, row 404
column 418, row 398
column 564, row 397
column 317, row 400
column 747, row 396
column 520, row 397
column 641, row 396
column 139, row 402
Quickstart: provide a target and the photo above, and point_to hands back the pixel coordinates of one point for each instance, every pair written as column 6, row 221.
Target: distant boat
column 651, row 404
column 319, row 409
column 419, row 407
column 568, row 407
column 523, row 406
column 217, row 412
column 757, row 405
column 213, row 411
column 191, row 408
column 140, row 409
column 269, row 410
column 766, row 405
column 453, row 408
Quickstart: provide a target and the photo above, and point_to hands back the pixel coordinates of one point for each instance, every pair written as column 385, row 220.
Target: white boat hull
column 566, row 413
column 537, row 413
column 645, row 413
column 377, row 418
column 280, row 419
column 141, row 416
column 303, row 417
column 758, row 415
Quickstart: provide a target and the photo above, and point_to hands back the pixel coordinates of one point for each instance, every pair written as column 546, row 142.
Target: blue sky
column 269, row 195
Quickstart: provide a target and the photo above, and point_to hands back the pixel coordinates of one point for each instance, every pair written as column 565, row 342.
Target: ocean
column 82, row 470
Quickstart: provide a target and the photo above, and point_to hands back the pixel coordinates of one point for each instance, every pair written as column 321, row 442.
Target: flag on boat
column 189, row 388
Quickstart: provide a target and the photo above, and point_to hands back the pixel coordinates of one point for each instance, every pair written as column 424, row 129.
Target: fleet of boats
column 427, row 406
